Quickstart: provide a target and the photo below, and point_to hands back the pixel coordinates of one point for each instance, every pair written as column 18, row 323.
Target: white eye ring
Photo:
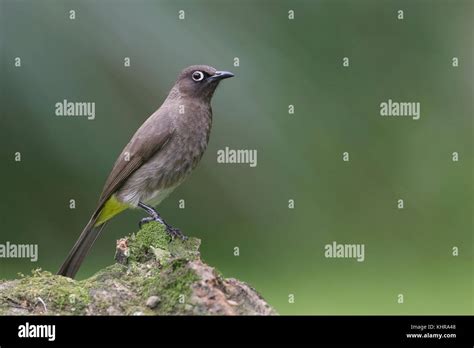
column 197, row 76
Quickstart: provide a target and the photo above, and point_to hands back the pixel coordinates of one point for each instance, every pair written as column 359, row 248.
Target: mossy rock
column 157, row 275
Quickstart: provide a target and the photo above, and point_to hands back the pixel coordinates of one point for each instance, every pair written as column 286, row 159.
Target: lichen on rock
column 154, row 275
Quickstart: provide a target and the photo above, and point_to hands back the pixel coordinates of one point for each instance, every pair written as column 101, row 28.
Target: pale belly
column 158, row 196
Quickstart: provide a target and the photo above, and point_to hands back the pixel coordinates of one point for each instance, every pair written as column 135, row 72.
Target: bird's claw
column 175, row 232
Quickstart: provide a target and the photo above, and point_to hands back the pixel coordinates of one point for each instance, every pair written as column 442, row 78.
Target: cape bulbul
column 160, row 155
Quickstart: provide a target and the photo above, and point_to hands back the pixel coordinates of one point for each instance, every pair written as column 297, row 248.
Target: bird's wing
column 148, row 139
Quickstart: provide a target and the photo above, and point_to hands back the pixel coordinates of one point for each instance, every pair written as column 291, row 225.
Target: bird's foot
column 175, row 232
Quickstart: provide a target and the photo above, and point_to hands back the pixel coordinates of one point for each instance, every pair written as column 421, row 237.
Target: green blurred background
column 282, row 62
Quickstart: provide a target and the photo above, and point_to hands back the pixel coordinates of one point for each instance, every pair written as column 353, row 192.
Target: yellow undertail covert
column 111, row 208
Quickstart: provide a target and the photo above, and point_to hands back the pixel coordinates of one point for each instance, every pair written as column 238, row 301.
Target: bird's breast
column 170, row 166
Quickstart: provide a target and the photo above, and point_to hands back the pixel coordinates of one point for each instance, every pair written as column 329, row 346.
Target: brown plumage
column 160, row 155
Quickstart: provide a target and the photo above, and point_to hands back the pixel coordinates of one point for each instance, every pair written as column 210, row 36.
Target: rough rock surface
column 154, row 275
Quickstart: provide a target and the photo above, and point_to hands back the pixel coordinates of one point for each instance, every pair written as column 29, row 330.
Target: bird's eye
column 198, row 76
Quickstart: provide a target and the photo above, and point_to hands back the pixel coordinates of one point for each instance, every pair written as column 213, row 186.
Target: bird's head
column 200, row 81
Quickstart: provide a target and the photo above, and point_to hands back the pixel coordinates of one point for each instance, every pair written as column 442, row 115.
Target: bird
column 158, row 158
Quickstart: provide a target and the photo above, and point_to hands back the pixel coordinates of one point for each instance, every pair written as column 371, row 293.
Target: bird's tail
column 80, row 250
column 90, row 233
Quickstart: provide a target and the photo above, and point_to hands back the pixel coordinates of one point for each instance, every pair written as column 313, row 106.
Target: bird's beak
column 220, row 75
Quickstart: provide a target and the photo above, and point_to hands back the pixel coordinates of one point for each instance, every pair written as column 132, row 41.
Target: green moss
column 152, row 241
column 185, row 249
column 152, row 234
column 161, row 255
column 173, row 286
column 59, row 293
column 173, row 278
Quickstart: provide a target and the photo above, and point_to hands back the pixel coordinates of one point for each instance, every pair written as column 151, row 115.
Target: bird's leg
column 154, row 216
